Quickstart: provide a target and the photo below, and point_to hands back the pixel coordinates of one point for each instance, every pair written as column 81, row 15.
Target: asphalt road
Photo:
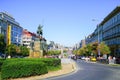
column 91, row 71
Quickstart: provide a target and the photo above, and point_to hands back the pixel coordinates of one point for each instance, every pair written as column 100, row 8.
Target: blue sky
column 65, row 21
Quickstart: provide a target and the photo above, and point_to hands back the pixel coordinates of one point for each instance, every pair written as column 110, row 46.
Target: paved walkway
column 68, row 66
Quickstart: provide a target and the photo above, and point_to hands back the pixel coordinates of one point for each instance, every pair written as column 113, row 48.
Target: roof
column 110, row 15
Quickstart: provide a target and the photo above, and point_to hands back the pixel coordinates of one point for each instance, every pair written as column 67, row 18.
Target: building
column 81, row 44
column 27, row 38
column 111, row 31
column 96, row 36
column 10, row 28
column 51, row 45
column 108, row 31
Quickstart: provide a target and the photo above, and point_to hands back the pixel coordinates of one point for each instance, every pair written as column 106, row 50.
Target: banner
column 9, row 35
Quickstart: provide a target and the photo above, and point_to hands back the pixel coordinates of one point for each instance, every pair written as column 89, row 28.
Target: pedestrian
column 109, row 59
column 114, row 60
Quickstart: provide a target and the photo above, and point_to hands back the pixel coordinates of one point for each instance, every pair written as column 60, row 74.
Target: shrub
column 24, row 67
column 15, row 69
column 50, row 62
column 1, row 62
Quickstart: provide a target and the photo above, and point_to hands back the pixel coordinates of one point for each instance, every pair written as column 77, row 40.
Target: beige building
column 27, row 38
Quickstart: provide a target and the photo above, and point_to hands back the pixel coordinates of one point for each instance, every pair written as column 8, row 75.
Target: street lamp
column 98, row 41
column 98, row 36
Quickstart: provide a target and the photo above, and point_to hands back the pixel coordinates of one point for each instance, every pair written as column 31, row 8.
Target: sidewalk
column 68, row 66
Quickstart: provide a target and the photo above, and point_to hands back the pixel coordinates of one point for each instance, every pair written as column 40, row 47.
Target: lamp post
column 98, row 41
column 98, row 36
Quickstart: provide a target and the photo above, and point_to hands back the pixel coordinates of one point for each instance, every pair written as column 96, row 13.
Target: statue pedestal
column 36, row 52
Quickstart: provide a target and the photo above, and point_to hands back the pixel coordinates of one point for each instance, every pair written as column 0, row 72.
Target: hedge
column 50, row 62
column 23, row 69
column 1, row 62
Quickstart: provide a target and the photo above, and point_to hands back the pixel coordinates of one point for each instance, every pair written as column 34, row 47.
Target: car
column 83, row 58
column 93, row 59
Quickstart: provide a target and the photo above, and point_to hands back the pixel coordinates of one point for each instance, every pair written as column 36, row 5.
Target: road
column 91, row 71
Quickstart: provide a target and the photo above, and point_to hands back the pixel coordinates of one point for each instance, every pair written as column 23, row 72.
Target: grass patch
column 52, row 68
column 114, row 65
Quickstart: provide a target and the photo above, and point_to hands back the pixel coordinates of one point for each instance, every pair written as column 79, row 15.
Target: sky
column 66, row 22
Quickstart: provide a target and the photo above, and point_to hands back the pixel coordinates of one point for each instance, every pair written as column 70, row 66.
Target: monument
column 35, row 50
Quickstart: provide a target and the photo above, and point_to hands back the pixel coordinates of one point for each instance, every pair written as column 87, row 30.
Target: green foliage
column 50, row 62
column 104, row 49
column 24, row 50
column 23, row 69
column 93, row 48
column 64, row 51
column 81, row 51
column 75, row 52
column 11, row 49
column 0, row 76
column 19, row 68
column 54, row 52
column 53, row 68
column 17, row 50
column 1, row 62
column 89, row 48
column 2, row 44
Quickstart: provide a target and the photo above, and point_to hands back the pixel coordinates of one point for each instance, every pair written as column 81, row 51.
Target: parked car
column 87, row 59
column 83, row 58
column 93, row 59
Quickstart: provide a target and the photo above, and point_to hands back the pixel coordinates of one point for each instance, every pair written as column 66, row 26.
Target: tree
column 57, row 52
column 75, row 52
column 2, row 44
column 18, row 51
column 11, row 49
column 104, row 49
column 64, row 51
column 94, row 48
column 89, row 48
column 81, row 51
column 24, row 50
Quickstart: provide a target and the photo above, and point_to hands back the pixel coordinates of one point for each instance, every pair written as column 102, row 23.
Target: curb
column 74, row 68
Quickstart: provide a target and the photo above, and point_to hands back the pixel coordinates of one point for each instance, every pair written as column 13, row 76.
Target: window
column 119, row 28
column 0, row 23
column 119, row 16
